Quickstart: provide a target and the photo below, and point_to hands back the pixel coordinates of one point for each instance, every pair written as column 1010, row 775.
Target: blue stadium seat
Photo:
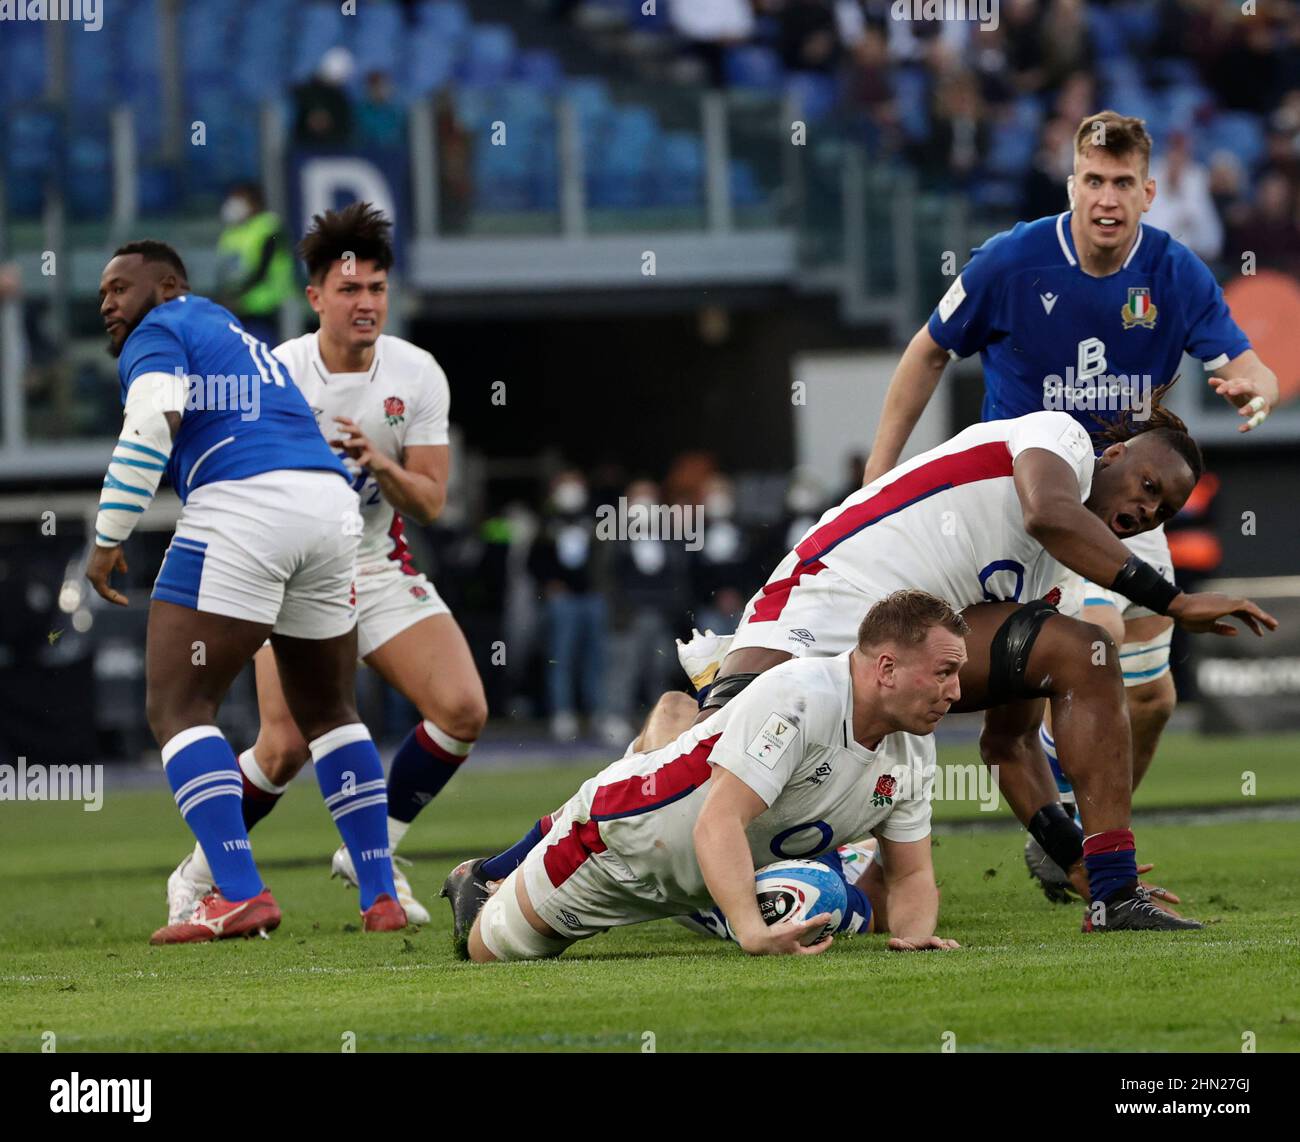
column 1239, row 132
column 745, row 188
column 449, row 18
column 1106, row 35
column 22, row 62
column 158, row 188
column 620, row 171
column 91, row 71
column 489, row 55
column 378, row 39
column 1137, row 21
column 817, row 94
column 319, row 28
column 33, row 154
column 680, row 170
column 430, row 63
column 542, row 69
column 88, row 186
column 754, row 68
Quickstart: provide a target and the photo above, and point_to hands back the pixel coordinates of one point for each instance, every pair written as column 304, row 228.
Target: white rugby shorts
column 276, row 548
column 389, row 601
column 576, row 885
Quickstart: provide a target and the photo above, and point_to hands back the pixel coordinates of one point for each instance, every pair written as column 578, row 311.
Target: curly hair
column 358, row 229
column 1164, row 423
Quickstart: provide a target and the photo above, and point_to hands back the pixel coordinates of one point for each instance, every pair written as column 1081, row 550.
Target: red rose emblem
column 885, row 786
column 1053, row 596
column 419, row 592
column 394, row 408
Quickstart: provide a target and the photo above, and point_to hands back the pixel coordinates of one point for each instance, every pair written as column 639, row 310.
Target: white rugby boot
column 188, row 884
column 702, row 656
column 341, row 866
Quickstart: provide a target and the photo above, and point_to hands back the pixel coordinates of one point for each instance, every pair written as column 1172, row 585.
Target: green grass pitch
column 82, row 891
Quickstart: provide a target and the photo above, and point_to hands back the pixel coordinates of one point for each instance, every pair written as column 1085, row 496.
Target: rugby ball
column 800, row 889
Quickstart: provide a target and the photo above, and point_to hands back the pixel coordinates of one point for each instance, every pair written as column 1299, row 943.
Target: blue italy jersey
column 1051, row 336
column 243, row 414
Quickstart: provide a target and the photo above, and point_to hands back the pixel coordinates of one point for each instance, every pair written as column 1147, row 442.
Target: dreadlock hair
column 358, row 230
column 151, row 250
column 1167, row 426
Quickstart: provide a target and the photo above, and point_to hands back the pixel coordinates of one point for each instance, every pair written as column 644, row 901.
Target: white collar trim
column 1060, row 237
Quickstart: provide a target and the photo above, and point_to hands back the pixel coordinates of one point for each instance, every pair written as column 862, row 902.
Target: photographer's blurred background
column 666, row 250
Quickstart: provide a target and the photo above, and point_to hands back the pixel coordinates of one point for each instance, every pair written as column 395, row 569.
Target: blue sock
column 857, row 916
column 351, row 778
column 422, row 765
column 1111, row 861
column 209, row 789
column 503, row 864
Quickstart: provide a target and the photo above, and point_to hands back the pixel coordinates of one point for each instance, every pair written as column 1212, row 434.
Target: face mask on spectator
column 569, row 498
column 235, row 209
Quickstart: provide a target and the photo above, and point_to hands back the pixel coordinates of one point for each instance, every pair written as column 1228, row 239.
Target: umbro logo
column 804, row 636
column 821, row 773
column 1049, row 300
column 570, row 920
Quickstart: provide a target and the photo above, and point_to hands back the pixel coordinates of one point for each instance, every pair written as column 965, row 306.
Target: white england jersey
column 949, row 521
column 402, row 401
column 789, row 737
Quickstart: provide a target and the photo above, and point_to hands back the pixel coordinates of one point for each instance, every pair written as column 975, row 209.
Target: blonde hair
column 1118, row 135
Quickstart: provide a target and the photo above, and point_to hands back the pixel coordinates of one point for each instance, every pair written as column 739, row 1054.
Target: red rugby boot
column 384, row 915
column 216, row 918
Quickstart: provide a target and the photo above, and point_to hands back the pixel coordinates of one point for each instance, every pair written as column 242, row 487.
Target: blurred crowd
column 574, row 619
column 992, row 110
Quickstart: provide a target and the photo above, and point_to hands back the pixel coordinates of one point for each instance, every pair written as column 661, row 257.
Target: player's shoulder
column 811, row 691
column 1162, row 253
column 295, row 352
column 1026, row 242
column 410, row 360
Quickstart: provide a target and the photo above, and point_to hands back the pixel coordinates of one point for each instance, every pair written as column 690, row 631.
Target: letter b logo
column 1092, row 358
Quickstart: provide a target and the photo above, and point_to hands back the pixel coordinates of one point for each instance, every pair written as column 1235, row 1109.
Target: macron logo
column 76, row 1095
column 1049, row 300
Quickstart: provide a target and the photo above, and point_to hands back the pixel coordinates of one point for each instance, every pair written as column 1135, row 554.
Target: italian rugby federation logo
column 1139, row 310
column 885, row 789
column 394, row 410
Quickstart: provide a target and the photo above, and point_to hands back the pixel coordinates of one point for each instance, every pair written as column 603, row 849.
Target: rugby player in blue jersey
column 1088, row 312
column 265, row 546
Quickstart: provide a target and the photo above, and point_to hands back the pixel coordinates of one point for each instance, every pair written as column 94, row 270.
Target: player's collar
column 1066, row 239
column 318, row 362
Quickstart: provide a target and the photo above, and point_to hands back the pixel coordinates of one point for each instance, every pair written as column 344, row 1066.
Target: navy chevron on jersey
column 243, row 415
column 1042, row 326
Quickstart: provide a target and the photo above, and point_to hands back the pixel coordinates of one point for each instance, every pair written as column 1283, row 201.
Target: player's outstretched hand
column 103, row 562
column 783, row 939
column 921, row 944
column 1204, row 611
column 1246, row 397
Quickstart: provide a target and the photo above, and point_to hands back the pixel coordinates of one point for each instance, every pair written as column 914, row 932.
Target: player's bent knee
column 282, row 764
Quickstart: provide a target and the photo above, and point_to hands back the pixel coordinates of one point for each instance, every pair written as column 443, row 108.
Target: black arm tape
column 1054, row 829
column 1144, row 585
column 1009, row 652
column 724, row 689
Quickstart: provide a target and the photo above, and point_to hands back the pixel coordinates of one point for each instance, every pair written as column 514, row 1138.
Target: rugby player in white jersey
column 816, row 752
column 384, row 404
column 999, row 521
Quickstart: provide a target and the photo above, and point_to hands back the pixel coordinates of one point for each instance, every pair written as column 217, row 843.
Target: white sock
column 396, row 831
column 199, row 869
